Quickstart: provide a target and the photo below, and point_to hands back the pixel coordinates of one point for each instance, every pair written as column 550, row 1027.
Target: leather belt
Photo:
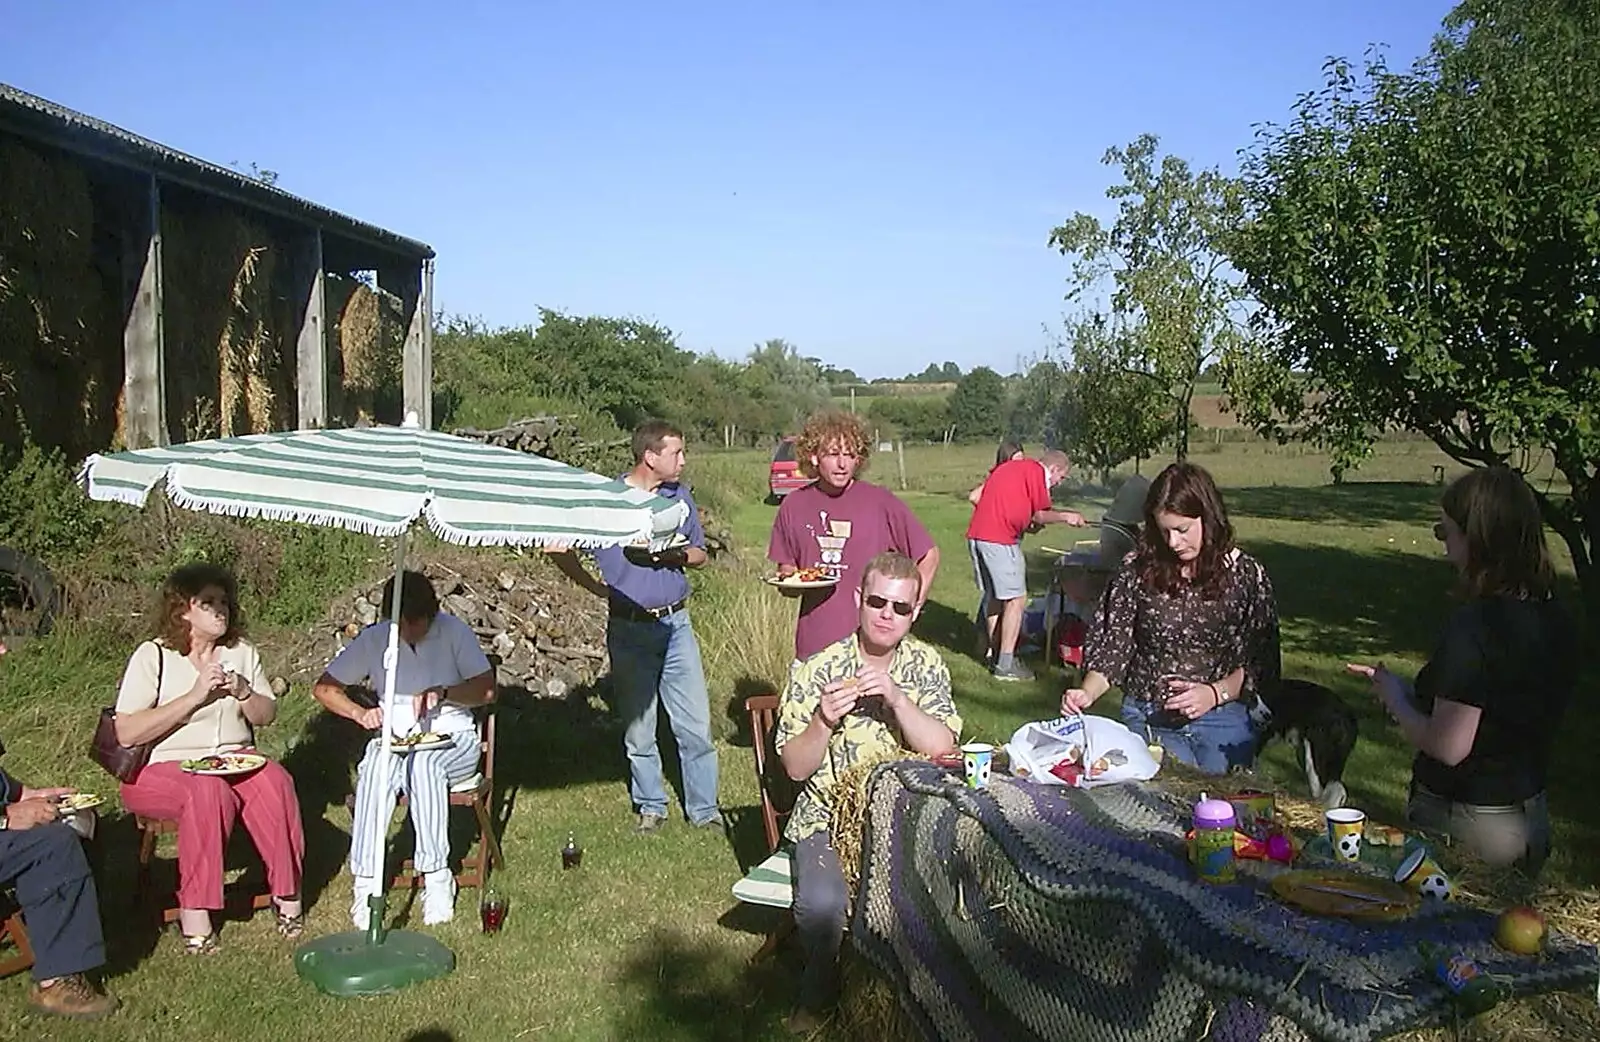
column 635, row 613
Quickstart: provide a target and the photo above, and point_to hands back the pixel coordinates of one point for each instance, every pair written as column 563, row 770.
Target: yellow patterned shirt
column 916, row 669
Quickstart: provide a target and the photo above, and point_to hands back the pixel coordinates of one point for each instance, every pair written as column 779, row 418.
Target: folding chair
column 150, row 830
column 770, row 883
column 477, row 794
column 14, row 933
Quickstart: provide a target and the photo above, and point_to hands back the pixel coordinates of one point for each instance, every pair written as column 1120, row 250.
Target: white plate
column 433, row 740
column 809, row 584
column 78, row 801
column 239, row 763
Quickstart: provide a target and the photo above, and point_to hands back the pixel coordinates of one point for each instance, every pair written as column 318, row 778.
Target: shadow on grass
column 677, row 987
column 1358, row 503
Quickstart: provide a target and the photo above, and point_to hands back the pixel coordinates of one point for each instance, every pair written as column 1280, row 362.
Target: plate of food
column 644, row 553
column 73, row 802
column 225, row 764
column 1345, row 895
column 412, row 742
column 806, row 579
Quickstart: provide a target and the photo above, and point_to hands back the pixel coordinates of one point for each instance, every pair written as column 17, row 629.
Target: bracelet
column 1216, row 693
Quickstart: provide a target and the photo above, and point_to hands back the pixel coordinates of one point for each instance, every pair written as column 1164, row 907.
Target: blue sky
column 872, row 181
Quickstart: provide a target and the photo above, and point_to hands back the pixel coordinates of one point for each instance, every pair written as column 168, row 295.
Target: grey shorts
column 1000, row 571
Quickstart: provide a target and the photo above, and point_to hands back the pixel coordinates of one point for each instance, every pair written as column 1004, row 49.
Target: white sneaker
column 438, row 897
column 360, row 914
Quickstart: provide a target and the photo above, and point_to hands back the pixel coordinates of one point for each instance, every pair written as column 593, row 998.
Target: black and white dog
column 1320, row 725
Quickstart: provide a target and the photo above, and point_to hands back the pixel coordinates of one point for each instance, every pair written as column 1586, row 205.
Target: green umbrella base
column 348, row 963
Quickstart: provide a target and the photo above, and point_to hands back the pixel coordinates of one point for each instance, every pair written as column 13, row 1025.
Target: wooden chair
column 770, row 883
column 477, row 794
column 15, row 933
column 151, row 830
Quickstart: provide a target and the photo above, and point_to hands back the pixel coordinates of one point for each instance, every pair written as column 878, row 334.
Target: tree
column 1426, row 248
column 1109, row 413
column 977, row 405
column 915, row 417
column 1033, row 407
column 1169, row 274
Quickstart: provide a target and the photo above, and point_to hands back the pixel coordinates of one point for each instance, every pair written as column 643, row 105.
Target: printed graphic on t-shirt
column 830, row 547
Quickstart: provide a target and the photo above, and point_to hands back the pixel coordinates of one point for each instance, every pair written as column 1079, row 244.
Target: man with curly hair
column 839, row 523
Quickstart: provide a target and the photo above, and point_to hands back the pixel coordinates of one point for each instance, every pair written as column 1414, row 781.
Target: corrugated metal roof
column 75, row 131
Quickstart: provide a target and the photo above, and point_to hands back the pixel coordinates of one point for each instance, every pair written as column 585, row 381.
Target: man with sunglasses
column 874, row 693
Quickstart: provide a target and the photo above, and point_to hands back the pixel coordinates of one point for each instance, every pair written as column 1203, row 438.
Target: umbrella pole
column 378, row 960
column 377, row 903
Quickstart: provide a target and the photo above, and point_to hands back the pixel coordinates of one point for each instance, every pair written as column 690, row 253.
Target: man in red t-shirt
column 838, row 524
column 1015, row 496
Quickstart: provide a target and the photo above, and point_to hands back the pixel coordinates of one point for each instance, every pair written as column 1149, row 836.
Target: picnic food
column 224, row 762
column 807, row 575
column 412, row 741
column 76, row 801
column 1385, row 835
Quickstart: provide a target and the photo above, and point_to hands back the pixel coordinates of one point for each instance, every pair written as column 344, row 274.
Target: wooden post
column 311, row 353
column 414, row 287
column 900, row 451
column 852, row 399
column 144, row 373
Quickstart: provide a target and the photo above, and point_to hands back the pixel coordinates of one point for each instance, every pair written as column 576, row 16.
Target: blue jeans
column 658, row 663
column 1213, row 743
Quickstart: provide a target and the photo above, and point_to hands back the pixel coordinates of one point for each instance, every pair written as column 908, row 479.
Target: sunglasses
column 876, row 603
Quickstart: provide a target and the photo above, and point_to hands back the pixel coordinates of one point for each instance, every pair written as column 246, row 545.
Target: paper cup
column 1345, row 825
column 978, row 759
column 1420, row 873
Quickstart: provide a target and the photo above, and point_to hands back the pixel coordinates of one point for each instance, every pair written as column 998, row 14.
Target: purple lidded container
column 1213, row 814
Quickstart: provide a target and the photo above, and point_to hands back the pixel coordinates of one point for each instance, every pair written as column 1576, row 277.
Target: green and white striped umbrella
column 379, row 480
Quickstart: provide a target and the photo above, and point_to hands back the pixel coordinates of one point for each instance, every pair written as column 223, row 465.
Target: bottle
column 1473, row 990
column 571, row 854
column 1213, row 840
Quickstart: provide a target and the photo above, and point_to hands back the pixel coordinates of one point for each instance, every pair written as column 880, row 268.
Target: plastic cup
column 1345, row 825
column 978, row 759
column 1420, row 873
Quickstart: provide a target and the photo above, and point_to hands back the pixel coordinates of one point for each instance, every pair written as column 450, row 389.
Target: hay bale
column 369, row 385
column 60, row 343
column 227, row 316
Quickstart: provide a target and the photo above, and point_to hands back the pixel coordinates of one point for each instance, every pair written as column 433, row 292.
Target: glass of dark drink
column 493, row 910
column 571, row 854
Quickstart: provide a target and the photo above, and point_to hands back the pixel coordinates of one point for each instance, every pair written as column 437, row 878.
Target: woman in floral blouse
column 1187, row 629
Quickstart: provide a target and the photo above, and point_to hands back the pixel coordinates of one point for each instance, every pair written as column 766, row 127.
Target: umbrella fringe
column 328, row 519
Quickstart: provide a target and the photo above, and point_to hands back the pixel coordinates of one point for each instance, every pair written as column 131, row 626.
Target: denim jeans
column 657, row 663
column 1213, row 743
column 821, row 907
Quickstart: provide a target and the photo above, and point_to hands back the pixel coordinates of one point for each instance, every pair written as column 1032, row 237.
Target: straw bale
column 60, row 347
column 370, row 345
column 226, row 322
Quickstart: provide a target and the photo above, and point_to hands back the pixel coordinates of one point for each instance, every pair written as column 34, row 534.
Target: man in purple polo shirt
column 655, row 658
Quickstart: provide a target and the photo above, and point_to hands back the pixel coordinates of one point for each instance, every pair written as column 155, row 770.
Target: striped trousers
column 425, row 776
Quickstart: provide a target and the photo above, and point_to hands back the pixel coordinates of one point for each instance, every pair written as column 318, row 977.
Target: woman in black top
column 1486, row 706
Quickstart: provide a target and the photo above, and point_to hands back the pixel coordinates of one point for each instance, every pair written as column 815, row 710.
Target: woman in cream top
column 199, row 690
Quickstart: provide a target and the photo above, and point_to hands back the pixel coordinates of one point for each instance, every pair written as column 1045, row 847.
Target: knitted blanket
column 1030, row 912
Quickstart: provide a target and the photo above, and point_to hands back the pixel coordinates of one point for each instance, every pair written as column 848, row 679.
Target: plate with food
column 412, row 742
column 73, row 802
column 225, row 764
column 805, row 579
column 1345, row 895
column 644, row 553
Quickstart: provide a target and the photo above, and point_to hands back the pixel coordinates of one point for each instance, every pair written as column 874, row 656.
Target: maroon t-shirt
column 841, row 534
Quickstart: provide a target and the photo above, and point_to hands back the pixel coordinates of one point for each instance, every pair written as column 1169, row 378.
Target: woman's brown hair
column 827, row 429
column 183, row 585
column 1185, row 489
column 1499, row 518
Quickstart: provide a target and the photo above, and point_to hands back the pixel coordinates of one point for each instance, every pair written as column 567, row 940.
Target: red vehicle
column 785, row 476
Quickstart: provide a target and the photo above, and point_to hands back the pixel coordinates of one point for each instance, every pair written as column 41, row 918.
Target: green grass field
column 644, row 941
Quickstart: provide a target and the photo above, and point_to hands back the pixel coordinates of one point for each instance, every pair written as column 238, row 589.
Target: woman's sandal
column 200, row 944
column 290, row 927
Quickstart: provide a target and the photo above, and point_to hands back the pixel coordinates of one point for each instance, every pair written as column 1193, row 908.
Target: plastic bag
column 1080, row 751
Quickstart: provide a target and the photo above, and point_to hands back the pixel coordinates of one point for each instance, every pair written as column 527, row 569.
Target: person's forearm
column 1231, row 685
column 155, row 723
column 259, row 710
column 803, row 753
column 1095, row 684
column 927, row 568
column 695, row 556
column 473, row 691
column 1053, row 517
column 922, row 733
column 568, row 564
column 335, row 699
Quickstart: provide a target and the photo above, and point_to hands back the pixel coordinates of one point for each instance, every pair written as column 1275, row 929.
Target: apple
column 1520, row 930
